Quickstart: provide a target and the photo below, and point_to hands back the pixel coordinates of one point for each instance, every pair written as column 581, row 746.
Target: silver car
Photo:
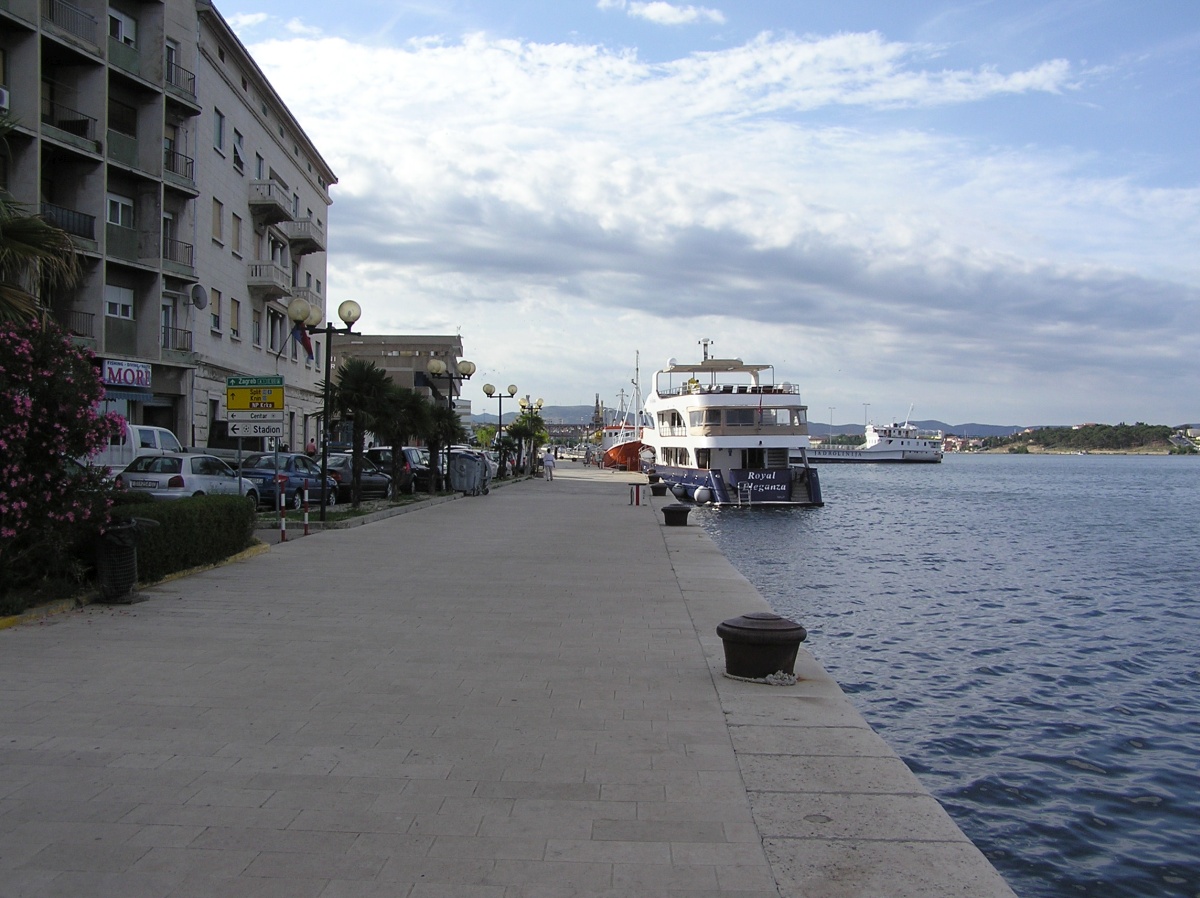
column 178, row 474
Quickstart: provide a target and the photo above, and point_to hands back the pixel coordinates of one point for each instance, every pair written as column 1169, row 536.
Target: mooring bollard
column 760, row 644
column 676, row 515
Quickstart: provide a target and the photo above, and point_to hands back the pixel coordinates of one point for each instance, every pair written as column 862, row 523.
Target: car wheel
column 333, row 498
column 298, row 500
column 253, row 497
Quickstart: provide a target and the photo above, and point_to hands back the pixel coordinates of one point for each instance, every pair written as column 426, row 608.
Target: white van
column 137, row 440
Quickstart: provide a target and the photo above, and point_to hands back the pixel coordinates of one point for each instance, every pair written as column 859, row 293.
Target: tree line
column 1100, row 437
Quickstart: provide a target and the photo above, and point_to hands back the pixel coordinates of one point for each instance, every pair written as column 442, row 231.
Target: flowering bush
column 49, row 394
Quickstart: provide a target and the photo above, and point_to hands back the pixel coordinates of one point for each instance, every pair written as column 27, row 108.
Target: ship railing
column 694, row 388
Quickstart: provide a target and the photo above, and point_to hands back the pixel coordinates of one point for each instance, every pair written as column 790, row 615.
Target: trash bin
column 116, row 559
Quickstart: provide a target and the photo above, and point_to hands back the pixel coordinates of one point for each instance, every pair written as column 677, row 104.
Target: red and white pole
column 279, row 483
column 306, row 507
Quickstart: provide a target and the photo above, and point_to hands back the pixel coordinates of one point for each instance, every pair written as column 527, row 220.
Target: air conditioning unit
column 3, row 99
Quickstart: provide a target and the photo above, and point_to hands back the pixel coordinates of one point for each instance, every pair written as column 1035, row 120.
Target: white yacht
column 724, row 432
column 889, row 443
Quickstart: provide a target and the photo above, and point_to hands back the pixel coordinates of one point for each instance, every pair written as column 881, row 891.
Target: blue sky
column 988, row 210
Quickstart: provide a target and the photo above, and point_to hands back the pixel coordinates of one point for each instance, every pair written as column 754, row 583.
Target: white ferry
column 724, row 432
column 890, row 443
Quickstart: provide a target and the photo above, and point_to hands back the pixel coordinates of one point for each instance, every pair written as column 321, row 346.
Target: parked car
column 175, row 475
column 294, row 472
column 134, row 441
column 419, row 464
column 381, row 456
column 371, row 480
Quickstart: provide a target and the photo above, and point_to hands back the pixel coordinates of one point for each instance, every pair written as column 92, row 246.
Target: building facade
column 198, row 205
column 406, row 359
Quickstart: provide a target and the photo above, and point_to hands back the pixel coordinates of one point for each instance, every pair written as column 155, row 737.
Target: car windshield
column 259, row 461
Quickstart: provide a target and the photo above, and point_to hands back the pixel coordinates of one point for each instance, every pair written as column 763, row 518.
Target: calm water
column 1024, row 632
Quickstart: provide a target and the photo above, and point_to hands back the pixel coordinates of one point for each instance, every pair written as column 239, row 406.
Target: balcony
column 71, row 20
column 179, row 171
column 267, row 280
column 304, row 236
column 176, row 344
column 77, row 224
column 181, row 86
column 178, row 258
column 74, row 126
column 81, row 326
column 269, row 202
column 131, row 245
column 124, row 56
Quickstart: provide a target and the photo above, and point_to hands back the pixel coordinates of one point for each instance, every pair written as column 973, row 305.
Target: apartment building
column 197, row 203
column 406, row 358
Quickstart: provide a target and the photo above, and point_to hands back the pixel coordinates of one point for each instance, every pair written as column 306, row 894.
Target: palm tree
column 35, row 257
column 445, row 429
column 359, row 393
column 403, row 413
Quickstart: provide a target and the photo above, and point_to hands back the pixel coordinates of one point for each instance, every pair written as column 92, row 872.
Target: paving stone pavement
column 511, row 696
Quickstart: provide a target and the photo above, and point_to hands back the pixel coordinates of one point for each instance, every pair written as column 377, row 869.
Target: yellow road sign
column 245, row 399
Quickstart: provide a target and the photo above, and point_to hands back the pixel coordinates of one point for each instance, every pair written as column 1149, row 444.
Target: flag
column 300, row 335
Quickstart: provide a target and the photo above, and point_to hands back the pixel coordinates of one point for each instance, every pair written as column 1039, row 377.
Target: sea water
column 1024, row 631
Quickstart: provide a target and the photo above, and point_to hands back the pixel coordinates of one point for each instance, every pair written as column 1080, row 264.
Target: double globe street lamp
column 463, row 369
column 490, row 391
column 308, row 316
column 531, row 409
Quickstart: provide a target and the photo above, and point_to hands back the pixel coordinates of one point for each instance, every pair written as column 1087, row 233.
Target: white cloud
column 670, row 14
column 567, row 205
column 241, row 22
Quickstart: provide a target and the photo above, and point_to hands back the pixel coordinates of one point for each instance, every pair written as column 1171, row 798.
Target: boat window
column 753, row 459
column 704, row 458
column 704, row 417
column 740, row 417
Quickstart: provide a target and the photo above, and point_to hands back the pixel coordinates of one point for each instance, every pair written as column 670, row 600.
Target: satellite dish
column 199, row 297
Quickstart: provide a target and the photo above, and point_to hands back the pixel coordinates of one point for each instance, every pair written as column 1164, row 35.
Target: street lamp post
column 531, row 409
column 490, row 391
column 463, row 369
column 308, row 316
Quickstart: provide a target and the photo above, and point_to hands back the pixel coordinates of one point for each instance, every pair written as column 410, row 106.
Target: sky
column 985, row 211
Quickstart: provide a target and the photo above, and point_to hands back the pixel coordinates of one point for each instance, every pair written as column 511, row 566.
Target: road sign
column 274, row 380
column 254, row 398
column 256, row 429
column 266, row 417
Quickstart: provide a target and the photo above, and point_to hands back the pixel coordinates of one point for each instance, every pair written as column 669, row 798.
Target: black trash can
column 116, row 561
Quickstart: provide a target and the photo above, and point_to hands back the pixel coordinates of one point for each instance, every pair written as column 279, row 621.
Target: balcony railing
column 176, row 339
column 181, row 79
column 269, row 202
column 178, row 252
column 69, row 120
column 78, row 224
column 70, row 19
column 304, row 236
column 178, row 164
column 268, row 280
column 77, row 324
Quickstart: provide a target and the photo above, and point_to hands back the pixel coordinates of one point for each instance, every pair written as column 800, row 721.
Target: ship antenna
column 909, row 415
column 706, row 342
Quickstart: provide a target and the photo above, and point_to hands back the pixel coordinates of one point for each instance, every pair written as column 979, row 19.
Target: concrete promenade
column 512, row 696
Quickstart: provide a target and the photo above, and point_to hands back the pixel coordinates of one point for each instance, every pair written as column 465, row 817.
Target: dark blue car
column 294, row 471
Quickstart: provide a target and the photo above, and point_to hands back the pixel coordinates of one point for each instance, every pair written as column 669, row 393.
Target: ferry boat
column 723, row 432
column 890, row 443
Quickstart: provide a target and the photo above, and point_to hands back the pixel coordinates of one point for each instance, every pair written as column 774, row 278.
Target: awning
column 131, row 395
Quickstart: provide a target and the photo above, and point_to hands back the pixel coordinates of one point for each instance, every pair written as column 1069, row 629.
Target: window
column 122, row 28
column 235, row 236
column 120, row 210
column 260, row 167
column 318, row 286
column 256, row 328
column 218, row 130
column 740, row 417
column 118, row 302
column 215, row 315
column 237, row 150
column 235, row 317
column 317, row 353
column 218, row 222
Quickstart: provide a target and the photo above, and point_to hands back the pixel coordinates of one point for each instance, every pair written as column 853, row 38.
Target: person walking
column 311, row 449
column 548, row 465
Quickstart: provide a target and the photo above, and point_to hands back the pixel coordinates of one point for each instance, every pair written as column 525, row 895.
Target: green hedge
column 188, row 532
